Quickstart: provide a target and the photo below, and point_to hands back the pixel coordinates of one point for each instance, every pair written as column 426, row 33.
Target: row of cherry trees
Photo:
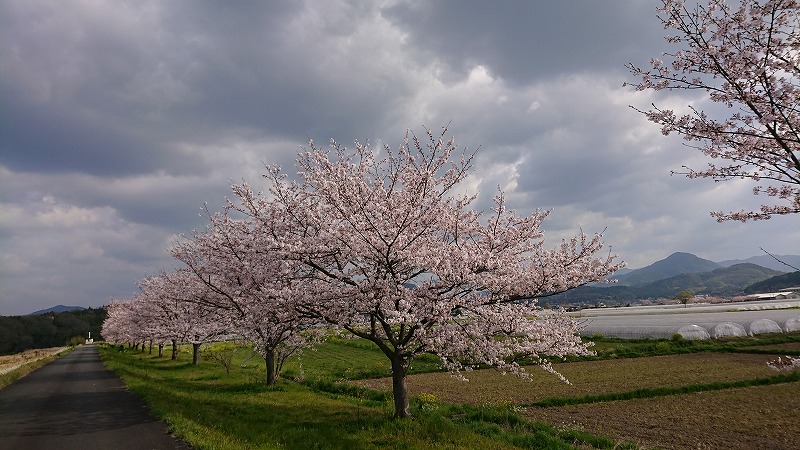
column 383, row 246
column 164, row 311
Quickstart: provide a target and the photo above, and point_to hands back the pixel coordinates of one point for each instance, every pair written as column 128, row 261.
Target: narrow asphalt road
column 76, row 403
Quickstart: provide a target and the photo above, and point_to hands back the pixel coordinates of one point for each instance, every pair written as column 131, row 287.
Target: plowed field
column 742, row 418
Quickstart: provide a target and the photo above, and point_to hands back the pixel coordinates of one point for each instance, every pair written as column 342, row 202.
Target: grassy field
column 337, row 397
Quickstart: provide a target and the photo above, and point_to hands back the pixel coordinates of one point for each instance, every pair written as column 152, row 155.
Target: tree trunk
column 400, row 389
column 195, row 353
column 160, row 349
column 150, row 352
column 174, row 349
column 272, row 377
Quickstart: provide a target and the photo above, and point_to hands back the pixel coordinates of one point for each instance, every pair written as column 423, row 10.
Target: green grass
column 213, row 410
column 349, row 359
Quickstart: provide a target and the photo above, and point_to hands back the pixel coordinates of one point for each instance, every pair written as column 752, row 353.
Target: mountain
column 620, row 272
column 57, row 309
column 675, row 264
column 725, row 281
column 768, row 261
column 774, row 284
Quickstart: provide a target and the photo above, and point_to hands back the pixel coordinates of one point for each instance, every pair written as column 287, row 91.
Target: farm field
column 745, row 418
column 756, row 417
column 587, row 378
column 718, row 394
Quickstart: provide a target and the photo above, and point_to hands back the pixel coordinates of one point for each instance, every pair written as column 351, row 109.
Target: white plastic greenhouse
column 702, row 321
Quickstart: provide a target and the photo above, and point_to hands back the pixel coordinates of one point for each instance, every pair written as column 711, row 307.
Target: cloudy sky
column 120, row 120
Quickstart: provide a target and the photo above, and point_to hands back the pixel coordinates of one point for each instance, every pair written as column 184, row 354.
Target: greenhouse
column 702, row 321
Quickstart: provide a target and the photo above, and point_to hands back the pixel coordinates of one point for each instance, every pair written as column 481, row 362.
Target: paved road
column 76, row 403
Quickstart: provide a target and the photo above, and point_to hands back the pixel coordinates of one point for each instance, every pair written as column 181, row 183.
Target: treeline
column 20, row 333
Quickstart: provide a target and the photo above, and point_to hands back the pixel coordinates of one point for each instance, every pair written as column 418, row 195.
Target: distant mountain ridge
column 685, row 271
column 675, row 264
column 778, row 262
column 57, row 309
column 723, row 281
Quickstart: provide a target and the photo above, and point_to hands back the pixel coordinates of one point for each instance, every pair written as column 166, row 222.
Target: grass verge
column 211, row 409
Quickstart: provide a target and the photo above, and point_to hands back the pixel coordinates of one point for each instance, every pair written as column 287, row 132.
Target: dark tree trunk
column 174, row 349
column 399, row 388
column 160, row 349
column 151, row 348
column 195, row 353
column 272, row 377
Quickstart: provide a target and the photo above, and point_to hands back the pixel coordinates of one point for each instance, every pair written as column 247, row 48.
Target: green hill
column 20, row 333
column 675, row 264
column 774, row 284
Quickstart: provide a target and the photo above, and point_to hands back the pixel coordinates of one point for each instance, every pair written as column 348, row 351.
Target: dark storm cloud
column 115, row 91
column 51, row 139
column 120, row 120
column 524, row 40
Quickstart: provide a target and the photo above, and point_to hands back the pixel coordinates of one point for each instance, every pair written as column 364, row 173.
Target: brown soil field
column 765, row 417
column 759, row 417
column 587, row 378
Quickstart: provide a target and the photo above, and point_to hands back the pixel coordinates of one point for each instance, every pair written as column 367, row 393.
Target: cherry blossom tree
column 747, row 59
column 245, row 282
column 387, row 249
column 120, row 325
column 176, row 311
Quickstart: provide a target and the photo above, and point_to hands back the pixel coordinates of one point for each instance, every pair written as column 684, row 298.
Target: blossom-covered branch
column 747, row 60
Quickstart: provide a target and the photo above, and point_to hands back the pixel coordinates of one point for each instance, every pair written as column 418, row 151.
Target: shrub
column 428, row 402
column 75, row 341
